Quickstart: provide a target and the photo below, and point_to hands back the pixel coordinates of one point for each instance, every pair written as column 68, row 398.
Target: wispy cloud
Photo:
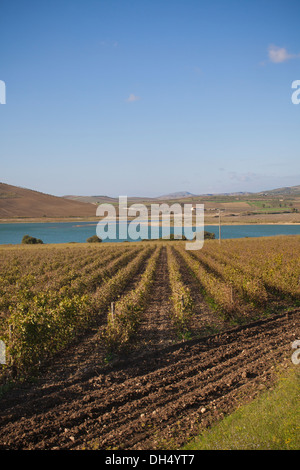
column 109, row 43
column 132, row 98
column 277, row 55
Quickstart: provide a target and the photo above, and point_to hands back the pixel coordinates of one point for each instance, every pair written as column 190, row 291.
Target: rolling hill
column 272, row 206
column 16, row 202
column 177, row 195
column 286, row 191
column 92, row 199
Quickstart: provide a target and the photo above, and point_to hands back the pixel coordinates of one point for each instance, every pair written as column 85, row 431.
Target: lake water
column 65, row 232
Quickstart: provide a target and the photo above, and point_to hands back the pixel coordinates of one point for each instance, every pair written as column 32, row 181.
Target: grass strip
column 269, row 422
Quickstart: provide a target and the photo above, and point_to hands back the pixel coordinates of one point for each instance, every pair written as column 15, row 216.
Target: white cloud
column 278, row 55
column 109, row 43
column 132, row 98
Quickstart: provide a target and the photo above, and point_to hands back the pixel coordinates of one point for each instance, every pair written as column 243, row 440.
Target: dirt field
column 156, row 397
column 16, row 202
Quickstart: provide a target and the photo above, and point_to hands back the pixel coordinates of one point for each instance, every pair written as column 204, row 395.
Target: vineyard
column 106, row 310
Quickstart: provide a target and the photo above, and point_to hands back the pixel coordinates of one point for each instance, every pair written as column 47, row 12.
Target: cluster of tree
column 94, row 239
column 207, row 236
column 28, row 240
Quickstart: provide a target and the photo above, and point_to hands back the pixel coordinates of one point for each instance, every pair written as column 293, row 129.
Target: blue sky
column 148, row 97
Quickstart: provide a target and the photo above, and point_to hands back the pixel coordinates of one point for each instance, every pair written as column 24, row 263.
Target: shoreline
column 95, row 222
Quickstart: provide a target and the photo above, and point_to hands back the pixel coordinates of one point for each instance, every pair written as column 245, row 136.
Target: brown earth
column 158, row 395
column 18, row 202
column 158, row 400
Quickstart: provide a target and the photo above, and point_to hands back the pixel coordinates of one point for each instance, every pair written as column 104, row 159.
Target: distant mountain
column 21, row 202
column 186, row 194
column 286, row 191
column 177, row 195
column 106, row 199
column 91, row 199
column 292, row 190
column 239, row 193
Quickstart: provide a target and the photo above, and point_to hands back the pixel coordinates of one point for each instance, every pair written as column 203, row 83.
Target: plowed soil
column 158, row 396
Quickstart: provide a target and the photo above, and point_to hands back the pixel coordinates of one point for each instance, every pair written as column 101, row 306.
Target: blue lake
column 65, row 232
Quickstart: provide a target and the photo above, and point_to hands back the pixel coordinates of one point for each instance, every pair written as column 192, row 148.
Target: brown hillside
column 20, row 202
